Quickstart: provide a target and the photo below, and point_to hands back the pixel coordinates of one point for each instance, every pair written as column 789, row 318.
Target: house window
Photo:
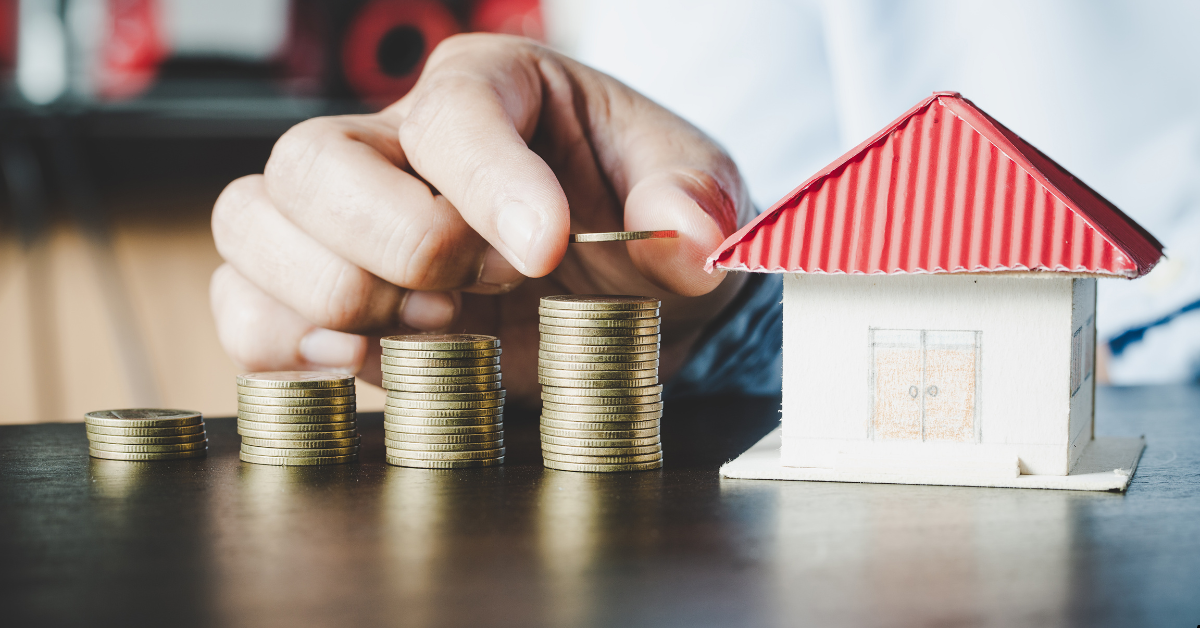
column 924, row 385
column 1076, row 360
column 1089, row 347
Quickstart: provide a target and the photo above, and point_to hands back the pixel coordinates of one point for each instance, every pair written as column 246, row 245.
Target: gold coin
column 598, row 366
column 148, row 449
column 595, row 417
column 288, row 461
column 445, row 413
column 328, row 452
column 482, row 454
column 441, row 372
column 297, row 436
column 613, row 443
column 443, row 464
column 188, row 422
column 408, row 354
column 597, row 314
column 601, row 451
column 295, row 379
column 573, row 400
column 440, row 342
column 405, row 445
column 598, row 435
column 300, row 444
column 548, row 372
column 142, row 414
column 599, row 302
column 343, row 391
column 289, row 419
column 443, row 430
column 601, row 468
column 618, row 391
column 646, row 408
column 146, row 431
column 441, row 388
column 623, row 236
column 547, row 455
column 304, row 410
column 296, row 402
column 599, row 341
column 595, row 383
column 445, row 439
column 485, row 378
column 438, row 363
column 568, row 424
column 586, row 350
column 131, row 456
column 295, row 428
column 392, row 419
column 447, row 396
column 599, row 323
column 597, row 358
column 599, row 332
column 147, row 440
column 444, row 405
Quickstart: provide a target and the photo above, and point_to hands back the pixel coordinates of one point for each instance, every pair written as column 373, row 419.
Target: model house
column 939, row 309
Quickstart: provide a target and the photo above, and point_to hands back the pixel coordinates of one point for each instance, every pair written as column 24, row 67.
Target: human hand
column 430, row 215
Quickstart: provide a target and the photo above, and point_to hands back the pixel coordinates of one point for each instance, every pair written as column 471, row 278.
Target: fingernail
column 496, row 271
column 427, row 311
column 332, row 349
column 517, row 225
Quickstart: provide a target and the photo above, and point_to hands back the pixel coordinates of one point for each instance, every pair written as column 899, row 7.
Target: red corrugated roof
column 943, row 189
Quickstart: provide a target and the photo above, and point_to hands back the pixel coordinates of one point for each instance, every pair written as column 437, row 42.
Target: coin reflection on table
column 117, row 479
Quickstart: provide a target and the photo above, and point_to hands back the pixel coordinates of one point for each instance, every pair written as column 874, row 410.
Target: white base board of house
column 1106, row 465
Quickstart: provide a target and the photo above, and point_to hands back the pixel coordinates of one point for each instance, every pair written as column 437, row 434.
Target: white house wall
column 1023, row 401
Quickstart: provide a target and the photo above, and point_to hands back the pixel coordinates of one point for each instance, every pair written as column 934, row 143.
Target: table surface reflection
column 218, row 542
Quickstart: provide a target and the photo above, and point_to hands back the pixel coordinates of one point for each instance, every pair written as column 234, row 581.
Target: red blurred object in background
column 8, row 36
column 512, row 17
column 387, row 43
column 132, row 49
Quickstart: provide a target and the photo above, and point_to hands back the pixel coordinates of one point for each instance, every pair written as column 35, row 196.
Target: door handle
column 913, row 391
column 932, row 391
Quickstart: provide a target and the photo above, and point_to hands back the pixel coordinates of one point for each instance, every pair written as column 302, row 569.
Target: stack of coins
column 445, row 406
column 145, row 434
column 598, row 366
column 297, row 418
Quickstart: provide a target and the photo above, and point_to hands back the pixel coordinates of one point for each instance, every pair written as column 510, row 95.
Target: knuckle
column 297, row 154
column 229, row 207
column 341, row 299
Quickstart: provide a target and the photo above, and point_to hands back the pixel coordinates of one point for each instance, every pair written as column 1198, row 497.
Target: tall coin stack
column 145, row 434
column 297, row 418
column 598, row 366
column 445, row 404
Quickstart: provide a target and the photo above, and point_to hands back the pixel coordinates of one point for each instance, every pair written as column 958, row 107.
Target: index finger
column 465, row 130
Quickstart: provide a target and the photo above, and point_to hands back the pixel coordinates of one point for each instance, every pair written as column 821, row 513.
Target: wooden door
column 897, row 376
column 923, row 385
column 950, row 386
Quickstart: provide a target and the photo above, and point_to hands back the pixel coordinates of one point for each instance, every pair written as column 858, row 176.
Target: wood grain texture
column 215, row 542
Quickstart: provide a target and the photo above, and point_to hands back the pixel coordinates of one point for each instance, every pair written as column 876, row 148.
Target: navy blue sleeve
column 741, row 351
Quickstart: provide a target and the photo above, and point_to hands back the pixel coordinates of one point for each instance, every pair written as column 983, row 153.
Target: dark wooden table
column 216, row 542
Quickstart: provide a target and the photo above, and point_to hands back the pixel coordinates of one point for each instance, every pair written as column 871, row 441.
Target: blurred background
column 122, row 120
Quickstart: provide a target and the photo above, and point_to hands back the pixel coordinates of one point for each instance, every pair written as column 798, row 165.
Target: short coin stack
column 598, row 366
column 297, row 418
column 145, row 434
column 445, row 404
